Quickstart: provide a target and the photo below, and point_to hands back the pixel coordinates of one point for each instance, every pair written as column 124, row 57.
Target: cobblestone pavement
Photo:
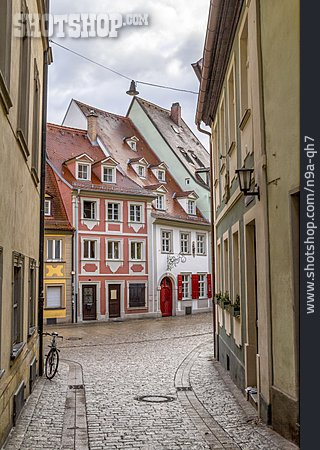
column 122, row 361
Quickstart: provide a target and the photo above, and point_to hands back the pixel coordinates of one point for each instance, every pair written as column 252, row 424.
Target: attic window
column 109, row 174
column 197, row 160
column 185, row 154
column 191, row 207
column 160, row 201
column 132, row 145
column 83, row 172
column 47, row 207
column 141, row 171
column 161, row 175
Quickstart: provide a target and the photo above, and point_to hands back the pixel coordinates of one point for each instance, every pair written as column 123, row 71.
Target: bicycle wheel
column 52, row 363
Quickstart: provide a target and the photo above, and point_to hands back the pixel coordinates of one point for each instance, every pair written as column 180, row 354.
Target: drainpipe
column 42, row 196
column 75, row 270
column 212, row 238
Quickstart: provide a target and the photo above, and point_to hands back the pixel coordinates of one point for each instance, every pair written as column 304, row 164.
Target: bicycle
column 52, row 359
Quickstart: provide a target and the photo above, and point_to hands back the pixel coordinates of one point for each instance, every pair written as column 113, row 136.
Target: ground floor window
column 54, row 295
column 186, row 286
column 137, row 295
column 17, row 306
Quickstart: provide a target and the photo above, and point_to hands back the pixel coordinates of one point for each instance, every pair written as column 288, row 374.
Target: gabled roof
column 161, row 165
column 112, row 129
column 140, row 159
column 76, row 158
column 186, row 194
column 181, row 139
column 157, row 187
column 58, row 220
column 108, row 160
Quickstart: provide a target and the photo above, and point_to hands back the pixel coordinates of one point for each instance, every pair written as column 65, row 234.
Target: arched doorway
column 166, row 297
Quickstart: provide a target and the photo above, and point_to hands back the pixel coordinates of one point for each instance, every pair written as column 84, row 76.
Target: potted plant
column 226, row 301
column 236, row 307
column 217, row 298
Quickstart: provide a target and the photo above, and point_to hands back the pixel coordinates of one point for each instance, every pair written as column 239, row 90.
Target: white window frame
column 163, row 176
column 141, row 170
column 161, row 204
column 113, row 241
column 132, row 144
column 54, row 258
column 169, row 239
column 226, row 262
column 119, row 212
column 186, row 281
column 79, row 163
column 202, row 285
column 96, row 246
column 191, row 210
column 113, row 173
column 204, row 243
column 135, row 243
column 96, row 209
column 47, row 207
column 60, row 286
column 140, row 205
column 184, row 241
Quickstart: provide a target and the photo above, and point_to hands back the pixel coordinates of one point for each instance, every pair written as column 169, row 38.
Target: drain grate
column 155, row 398
column 184, row 388
column 75, row 386
column 74, row 338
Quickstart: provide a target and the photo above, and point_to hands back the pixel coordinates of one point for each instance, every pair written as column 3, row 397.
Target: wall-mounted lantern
column 245, row 176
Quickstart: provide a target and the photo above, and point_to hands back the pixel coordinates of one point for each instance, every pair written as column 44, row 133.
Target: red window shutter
column 195, row 286
column 209, row 285
column 179, row 287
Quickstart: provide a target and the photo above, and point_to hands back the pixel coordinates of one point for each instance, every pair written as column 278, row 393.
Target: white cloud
column 160, row 53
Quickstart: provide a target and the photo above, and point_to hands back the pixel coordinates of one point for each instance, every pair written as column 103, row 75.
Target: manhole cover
column 75, row 386
column 155, row 398
column 74, row 338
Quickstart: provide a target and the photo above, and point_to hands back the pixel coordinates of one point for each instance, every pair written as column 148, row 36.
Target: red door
column 166, row 297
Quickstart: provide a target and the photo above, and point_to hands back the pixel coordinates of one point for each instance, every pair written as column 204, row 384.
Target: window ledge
column 23, row 143
column 2, row 371
column 138, row 307
column 245, row 119
column 35, row 177
column 232, row 147
column 4, row 94
column 58, row 308
column 31, row 332
column 16, row 350
column 113, row 260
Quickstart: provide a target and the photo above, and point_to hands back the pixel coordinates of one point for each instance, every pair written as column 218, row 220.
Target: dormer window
column 191, row 207
column 109, row 174
column 132, row 142
column 47, row 207
column 161, row 175
column 141, row 171
column 160, row 201
column 83, row 172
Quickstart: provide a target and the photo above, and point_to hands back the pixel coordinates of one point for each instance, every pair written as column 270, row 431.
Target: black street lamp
column 133, row 89
column 245, row 176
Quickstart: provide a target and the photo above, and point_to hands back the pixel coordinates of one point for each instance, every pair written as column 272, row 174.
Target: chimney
column 92, row 120
column 176, row 113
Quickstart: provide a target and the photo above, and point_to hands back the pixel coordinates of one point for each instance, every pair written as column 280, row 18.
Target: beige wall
column 280, row 58
column 19, row 224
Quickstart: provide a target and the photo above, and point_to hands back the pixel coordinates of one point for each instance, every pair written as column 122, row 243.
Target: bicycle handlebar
column 52, row 334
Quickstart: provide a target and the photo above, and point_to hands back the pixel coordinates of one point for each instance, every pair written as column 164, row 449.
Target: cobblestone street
column 93, row 400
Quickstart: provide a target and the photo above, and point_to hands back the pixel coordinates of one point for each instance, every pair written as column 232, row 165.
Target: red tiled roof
column 64, row 143
column 112, row 129
column 58, row 219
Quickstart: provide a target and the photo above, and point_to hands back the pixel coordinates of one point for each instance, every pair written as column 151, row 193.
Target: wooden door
column 166, row 297
column 114, row 300
column 89, row 302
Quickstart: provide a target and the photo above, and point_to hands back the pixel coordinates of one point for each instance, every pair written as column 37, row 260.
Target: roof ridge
column 64, row 127
column 99, row 109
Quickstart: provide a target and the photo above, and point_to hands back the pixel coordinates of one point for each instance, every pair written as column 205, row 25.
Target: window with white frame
column 161, row 175
column 54, row 297
column 132, row 145
column 136, row 250
column 226, row 264
column 236, row 265
column 109, row 174
column 186, row 288
column 166, row 241
column 244, row 68
column 47, row 207
column 89, row 249
column 89, row 209
column 114, row 212
column 185, row 242
column 231, row 108
column 201, row 244
column 136, row 213
column 202, row 285
column 187, row 181
column 160, row 201
column 113, row 250
column 17, row 304
column 191, row 207
column 222, row 143
column 83, row 171
column 141, row 171
column 54, row 249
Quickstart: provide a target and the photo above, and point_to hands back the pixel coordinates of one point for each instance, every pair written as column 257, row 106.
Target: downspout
column 76, row 254
column 215, row 349
column 42, row 197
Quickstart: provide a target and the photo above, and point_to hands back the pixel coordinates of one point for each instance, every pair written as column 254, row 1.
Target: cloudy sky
column 160, row 53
